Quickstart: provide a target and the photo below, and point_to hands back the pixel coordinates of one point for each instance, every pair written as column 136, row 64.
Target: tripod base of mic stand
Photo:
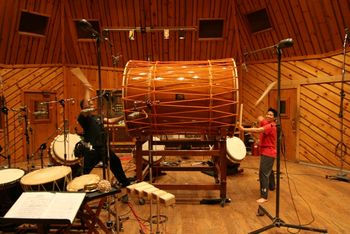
column 277, row 222
column 340, row 177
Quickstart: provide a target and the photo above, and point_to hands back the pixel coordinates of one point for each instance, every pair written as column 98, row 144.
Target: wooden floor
column 307, row 198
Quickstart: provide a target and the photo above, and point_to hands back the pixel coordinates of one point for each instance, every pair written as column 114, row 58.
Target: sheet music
column 46, row 205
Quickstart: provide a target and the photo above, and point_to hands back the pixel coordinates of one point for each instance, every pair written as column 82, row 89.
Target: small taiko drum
column 157, row 158
column 47, row 179
column 57, row 149
column 86, row 183
column 183, row 97
column 10, row 188
column 235, row 148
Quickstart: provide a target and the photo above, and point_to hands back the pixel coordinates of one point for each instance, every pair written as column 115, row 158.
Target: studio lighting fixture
column 132, row 34
column 182, row 34
column 166, row 31
column 166, row 34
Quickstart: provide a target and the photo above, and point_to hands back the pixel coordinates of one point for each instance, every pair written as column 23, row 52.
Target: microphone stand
column 43, row 146
column 26, row 133
column 65, row 122
column 99, row 103
column 341, row 147
column 4, row 110
column 86, row 26
column 109, row 96
column 62, row 102
column 277, row 221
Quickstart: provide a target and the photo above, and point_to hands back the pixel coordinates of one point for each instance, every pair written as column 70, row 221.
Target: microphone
column 116, row 59
column 87, row 110
column 40, row 113
column 138, row 114
column 70, row 100
column 285, row 43
column 347, row 35
column 87, row 26
column 21, row 108
column 63, row 101
column 105, row 34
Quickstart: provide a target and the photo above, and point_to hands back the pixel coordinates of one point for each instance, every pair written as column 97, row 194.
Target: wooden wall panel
column 17, row 79
column 318, row 81
column 317, row 27
column 23, row 48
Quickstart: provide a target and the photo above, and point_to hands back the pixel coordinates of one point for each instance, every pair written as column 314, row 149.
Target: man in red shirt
column 268, row 139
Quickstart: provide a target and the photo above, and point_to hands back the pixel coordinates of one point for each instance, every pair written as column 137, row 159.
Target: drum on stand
column 236, row 149
column 10, row 188
column 181, row 97
column 84, row 182
column 57, row 149
column 47, row 179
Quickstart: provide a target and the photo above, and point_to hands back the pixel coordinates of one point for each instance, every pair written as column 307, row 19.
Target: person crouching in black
column 94, row 139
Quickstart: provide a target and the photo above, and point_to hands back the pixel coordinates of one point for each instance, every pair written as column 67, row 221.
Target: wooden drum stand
column 219, row 168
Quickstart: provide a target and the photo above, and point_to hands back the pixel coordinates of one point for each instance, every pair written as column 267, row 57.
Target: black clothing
column 266, row 175
column 95, row 134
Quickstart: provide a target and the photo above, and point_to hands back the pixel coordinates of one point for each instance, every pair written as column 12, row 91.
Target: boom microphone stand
column 4, row 110
column 341, row 147
column 277, row 221
column 87, row 26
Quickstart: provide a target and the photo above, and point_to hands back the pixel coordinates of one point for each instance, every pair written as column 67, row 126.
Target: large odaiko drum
column 197, row 97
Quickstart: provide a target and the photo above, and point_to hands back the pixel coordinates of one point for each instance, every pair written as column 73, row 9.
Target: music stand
column 277, row 221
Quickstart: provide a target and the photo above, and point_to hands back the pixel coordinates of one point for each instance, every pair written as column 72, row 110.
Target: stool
column 88, row 216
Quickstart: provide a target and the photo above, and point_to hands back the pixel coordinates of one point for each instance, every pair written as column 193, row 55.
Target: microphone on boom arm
column 87, row 26
column 285, row 43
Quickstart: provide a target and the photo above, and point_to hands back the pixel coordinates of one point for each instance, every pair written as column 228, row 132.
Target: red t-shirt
column 268, row 139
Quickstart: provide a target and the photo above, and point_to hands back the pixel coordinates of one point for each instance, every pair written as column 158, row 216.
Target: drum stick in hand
column 79, row 74
column 267, row 90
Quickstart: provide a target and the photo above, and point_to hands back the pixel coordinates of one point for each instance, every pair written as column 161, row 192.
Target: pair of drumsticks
column 263, row 95
column 79, row 74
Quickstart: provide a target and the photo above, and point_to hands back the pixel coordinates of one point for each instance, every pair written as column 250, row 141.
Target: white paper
column 46, row 205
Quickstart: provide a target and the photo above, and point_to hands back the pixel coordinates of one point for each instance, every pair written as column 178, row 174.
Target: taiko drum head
column 58, row 149
column 236, row 150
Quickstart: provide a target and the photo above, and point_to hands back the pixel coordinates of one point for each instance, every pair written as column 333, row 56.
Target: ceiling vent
column 211, row 28
column 258, row 21
column 33, row 23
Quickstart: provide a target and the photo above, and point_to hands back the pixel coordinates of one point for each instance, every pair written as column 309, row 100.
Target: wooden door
column 289, row 117
column 41, row 120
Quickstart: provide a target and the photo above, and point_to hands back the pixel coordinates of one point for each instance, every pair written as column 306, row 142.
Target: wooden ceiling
column 316, row 26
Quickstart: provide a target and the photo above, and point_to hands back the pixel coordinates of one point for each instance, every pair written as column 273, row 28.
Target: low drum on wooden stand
column 47, row 179
column 87, row 183
column 10, row 188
